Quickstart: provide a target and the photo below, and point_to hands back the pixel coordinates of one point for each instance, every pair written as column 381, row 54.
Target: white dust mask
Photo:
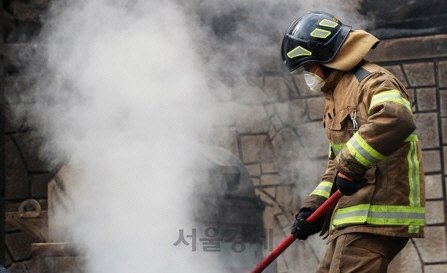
column 314, row 81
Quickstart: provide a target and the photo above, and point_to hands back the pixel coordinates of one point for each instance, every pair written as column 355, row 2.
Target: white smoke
column 126, row 89
column 122, row 97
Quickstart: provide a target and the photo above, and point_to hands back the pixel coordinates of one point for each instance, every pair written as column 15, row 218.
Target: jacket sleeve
column 389, row 123
column 323, row 190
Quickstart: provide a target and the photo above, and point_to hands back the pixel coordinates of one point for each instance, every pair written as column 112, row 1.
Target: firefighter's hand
column 302, row 229
column 348, row 186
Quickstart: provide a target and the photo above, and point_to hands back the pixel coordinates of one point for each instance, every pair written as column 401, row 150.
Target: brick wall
column 421, row 64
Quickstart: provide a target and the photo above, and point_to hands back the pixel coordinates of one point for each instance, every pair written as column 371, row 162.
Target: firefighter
column 374, row 155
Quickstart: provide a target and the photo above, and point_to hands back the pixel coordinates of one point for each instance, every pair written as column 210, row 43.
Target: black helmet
column 314, row 37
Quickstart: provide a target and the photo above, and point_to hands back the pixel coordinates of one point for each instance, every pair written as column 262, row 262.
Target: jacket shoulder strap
column 360, row 73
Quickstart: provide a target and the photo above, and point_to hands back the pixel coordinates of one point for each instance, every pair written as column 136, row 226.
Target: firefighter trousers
column 361, row 253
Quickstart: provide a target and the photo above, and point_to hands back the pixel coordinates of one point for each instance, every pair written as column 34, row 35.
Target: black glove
column 302, row 229
column 348, row 187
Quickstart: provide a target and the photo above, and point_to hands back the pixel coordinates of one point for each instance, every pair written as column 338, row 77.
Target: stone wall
column 421, row 64
column 26, row 174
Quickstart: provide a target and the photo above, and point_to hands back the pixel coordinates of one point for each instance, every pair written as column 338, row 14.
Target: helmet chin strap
column 319, row 70
column 326, row 70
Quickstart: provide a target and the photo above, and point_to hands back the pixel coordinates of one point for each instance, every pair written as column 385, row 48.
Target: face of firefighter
column 314, row 77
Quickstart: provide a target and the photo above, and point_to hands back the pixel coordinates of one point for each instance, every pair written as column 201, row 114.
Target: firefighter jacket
column 369, row 122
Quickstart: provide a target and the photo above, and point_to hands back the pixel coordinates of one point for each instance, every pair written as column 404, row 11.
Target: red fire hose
column 290, row 239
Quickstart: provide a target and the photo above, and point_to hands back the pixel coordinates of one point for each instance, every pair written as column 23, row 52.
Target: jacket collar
column 332, row 81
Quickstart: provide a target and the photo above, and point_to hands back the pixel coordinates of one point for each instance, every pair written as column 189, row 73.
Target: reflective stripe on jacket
column 370, row 127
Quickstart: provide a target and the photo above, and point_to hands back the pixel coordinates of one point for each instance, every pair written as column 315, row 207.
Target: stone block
column 252, row 119
column 435, row 212
column 43, row 203
column 256, row 149
column 255, row 80
column 431, row 160
column 433, row 186
column 442, row 74
column 427, row 129
column 22, row 11
column 10, row 228
column 270, row 179
column 16, row 175
column 445, row 160
column 266, row 60
column 8, row 260
column 435, row 268
column 292, row 113
column 249, row 91
column 286, row 198
column 409, row 48
column 397, row 71
column 269, row 211
column 443, row 102
column 269, row 168
column 270, row 108
column 282, row 266
column 284, row 113
column 411, row 94
column 9, row 120
column 19, row 245
column 426, row 99
column 19, row 267
column 30, row 145
column 256, row 182
column 314, row 139
column 270, row 191
column 444, row 130
column 224, row 137
column 407, row 261
column 278, row 88
column 433, row 247
column 39, row 185
column 295, row 91
column 12, row 206
column 284, row 141
column 303, row 255
column 283, row 220
column 277, row 123
column 420, row 74
column 57, row 258
column 316, row 108
column 299, row 112
column 272, row 132
column 254, row 169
